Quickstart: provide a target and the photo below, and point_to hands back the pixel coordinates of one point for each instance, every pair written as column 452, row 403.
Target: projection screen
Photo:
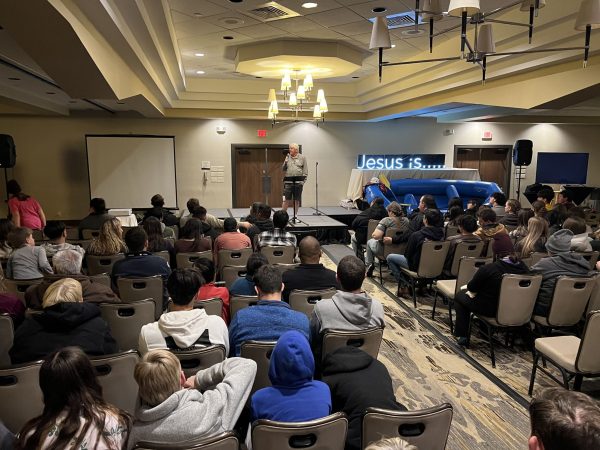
column 126, row 170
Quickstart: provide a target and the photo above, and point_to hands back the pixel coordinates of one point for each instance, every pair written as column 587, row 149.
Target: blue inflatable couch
column 409, row 191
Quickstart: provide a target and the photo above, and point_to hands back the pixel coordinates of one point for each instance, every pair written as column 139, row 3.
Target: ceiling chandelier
column 484, row 45
column 297, row 97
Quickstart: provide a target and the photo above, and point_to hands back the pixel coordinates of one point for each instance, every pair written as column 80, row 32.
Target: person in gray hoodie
column 184, row 327
column 174, row 409
column 349, row 309
column 560, row 262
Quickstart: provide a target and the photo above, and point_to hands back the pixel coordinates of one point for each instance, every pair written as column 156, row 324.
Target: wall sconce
column 221, row 130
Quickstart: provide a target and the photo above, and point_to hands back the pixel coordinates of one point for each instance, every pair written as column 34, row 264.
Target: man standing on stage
column 295, row 165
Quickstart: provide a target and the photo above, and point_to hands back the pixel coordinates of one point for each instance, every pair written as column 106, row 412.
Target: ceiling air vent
column 401, row 20
column 270, row 11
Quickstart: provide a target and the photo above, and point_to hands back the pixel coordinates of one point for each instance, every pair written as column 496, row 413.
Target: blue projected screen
column 562, row 168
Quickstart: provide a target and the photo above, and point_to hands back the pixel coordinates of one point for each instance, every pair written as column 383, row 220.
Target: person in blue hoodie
column 294, row 396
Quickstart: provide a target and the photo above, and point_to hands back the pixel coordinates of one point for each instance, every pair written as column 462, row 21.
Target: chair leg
column 493, row 356
column 380, row 274
column 414, row 291
column 434, row 304
column 565, row 377
column 577, row 383
column 469, row 329
column 450, row 316
column 533, row 371
column 506, row 338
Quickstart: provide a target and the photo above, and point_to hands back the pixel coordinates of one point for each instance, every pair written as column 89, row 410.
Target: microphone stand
column 317, row 213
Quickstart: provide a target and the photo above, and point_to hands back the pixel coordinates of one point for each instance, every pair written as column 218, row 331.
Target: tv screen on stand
column 562, row 168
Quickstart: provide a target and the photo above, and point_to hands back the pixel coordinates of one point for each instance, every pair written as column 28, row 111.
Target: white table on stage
column 128, row 221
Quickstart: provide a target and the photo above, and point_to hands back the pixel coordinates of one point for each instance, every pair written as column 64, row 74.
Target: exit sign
column 261, row 133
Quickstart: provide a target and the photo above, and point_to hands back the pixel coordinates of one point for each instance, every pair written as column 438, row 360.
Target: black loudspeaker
column 522, row 152
column 8, row 153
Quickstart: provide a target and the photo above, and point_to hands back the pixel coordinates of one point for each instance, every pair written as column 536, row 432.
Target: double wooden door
column 493, row 163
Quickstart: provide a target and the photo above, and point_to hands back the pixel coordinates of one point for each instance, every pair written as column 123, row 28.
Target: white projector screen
column 127, row 170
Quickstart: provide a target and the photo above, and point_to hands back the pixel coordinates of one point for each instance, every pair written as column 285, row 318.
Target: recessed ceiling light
column 50, row 93
column 200, row 72
column 198, row 54
column 14, row 78
column 197, row 14
column 355, row 77
column 309, row 5
column 257, row 77
column 393, row 45
column 379, row 9
column 228, row 38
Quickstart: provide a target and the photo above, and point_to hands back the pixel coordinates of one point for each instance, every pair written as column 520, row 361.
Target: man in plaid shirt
column 278, row 236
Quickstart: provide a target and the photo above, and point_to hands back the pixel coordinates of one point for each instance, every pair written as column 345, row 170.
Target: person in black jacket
column 360, row 224
column 357, row 381
column 433, row 230
column 483, row 291
column 158, row 202
column 66, row 321
column 416, row 217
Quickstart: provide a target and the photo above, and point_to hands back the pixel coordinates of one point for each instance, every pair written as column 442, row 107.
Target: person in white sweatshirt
column 184, row 327
column 174, row 409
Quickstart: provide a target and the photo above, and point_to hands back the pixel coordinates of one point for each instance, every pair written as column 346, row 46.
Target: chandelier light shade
column 301, row 92
column 527, row 4
column 457, row 7
column 317, row 112
column 589, row 14
column 320, row 95
column 286, row 82
column 432, row 10
column 308, row 82
column 323, row 105
column 272, row 95
column 380, row 35
column 274, row 108
column 293, row 99
column 485, row 39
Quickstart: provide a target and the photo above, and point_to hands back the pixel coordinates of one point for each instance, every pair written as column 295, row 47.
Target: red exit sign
column 261, row 133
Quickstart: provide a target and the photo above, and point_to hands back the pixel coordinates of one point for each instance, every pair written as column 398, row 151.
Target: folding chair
column 237, row 302
column 285, row 267
column 186, row 260
column 164, row 254
column 135, row 289
column 592, row 257
column 89, row 234
column 212, row 306
column 126, row 321
column 20, row 395
column 231, row 273
column 199, row 358
column 18, row 287
column 464, row 249
column 368, row 340
column 102, row 264
column 233, row 257
column 223, row 441
column 450, row 230
column 259, row 352
column 279, row 254
column 115, row 375
column 388, row 249
column 305, row 301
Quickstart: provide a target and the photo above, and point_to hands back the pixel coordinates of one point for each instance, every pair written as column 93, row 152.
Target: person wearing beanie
column 483, row 291
column 560, row 262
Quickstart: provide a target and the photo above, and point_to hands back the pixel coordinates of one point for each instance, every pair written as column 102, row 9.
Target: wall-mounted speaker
column 8, row 152
column 522, row 152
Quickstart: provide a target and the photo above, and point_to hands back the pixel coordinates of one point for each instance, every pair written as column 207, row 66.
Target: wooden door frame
column 236, row 147
column 508, row 149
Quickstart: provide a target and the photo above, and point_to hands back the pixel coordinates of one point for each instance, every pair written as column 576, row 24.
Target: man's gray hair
column 294, row 145
column 67, row 262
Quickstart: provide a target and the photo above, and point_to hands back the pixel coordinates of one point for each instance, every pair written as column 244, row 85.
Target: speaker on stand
column 522, row 154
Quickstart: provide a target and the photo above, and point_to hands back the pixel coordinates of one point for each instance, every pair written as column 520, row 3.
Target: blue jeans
column 396, row 262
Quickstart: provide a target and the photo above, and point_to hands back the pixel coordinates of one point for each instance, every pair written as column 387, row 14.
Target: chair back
column 20, row 395
column 569, row 300
column 6, row 339
column 126, row 321
column 594, row 303
column 18, row 287
column 237, row 302
column 164, row 254
column 592, row 257
column 368, row 340
column 259, row 352
column 328, row 433
column 234, row 257
column 536, row 257
column 450, row 230
column 199, row 358
column 90, row 234
column 223, row 441
column 467, row 268
column 489, row 250
column 468, row 249
column 587, row 360
column 115, row 375
column 231, row 273
column 38, row 235
column 186, row 260
column 279, row 254
column 305, row 301
column 135, row 289
column 425, row 428
column 433, row 257
column 212, row 306
column 102, row 279
column 371, row 227
column 388, row 249
column 285, row 267
column 102, row 264
column 518, row 294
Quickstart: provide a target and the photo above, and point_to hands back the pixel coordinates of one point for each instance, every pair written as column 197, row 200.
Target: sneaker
column 462, row 341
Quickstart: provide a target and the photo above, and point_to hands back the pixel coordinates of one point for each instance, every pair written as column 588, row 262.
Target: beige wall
column 51, row 160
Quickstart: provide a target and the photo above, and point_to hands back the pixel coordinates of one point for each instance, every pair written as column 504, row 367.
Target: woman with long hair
column 109, row 241
column 24, row 209
column 75, row 415
column 535, row 240
column 156, row 241
column 522, row 221
column 192, row 238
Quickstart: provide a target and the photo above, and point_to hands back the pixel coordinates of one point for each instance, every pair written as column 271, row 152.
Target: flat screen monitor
column 562, row 168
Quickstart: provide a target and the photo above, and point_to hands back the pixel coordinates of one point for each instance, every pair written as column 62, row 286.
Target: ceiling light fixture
column 296, row 88
column 484, row 45
column 200, row 72
column 199, row 54
column 309, row 5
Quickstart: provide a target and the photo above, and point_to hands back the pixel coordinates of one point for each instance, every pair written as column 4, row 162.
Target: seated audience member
column 158, row 209
column 350, row 308
column 231, row 239
column 184, row 327
column 97, row 216
column 293, row 395
column 156, row 240
column 391, row 444
column 174, row 409
column 472, row 207
column 350, row 373
column 201, row 214
column 467, row 225
column 166, row 232
column 192, row 204
column 565, row 198
column 75, row 415
column 6, row 226
column 581, row 241
column 67, row 263
column 245, row 286
column 57, row 233
column 483, row 291
column 455, row 201
column 453, row 215
column 11, row 304
column 192, row 239
column 277, row 236
column 523, row 220
column 138, row 263
column 432, row 231
column 310, row 275
column 535, row 240
column 546, row 196
column 360, row 224
column 577, row 212
column 209, row 290
column 25, row 210
column 560, row 262
column 246, row 222
column 416, row 217
column 556, row 218
column 110, row 240
column 563, row 419
column 375, row 244
column 498, row 203
column 26, row 261
column 262, row 222
column 66, row 320
column 539, row 209
column 270, row 318
column 488, row 226
column 511, row 213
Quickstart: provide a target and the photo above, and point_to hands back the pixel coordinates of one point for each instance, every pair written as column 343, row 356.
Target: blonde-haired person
column 65, row 321
column 174, row 409
column 109, row 241
column 535, row 240
column 391, row 444
column 377, row 240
